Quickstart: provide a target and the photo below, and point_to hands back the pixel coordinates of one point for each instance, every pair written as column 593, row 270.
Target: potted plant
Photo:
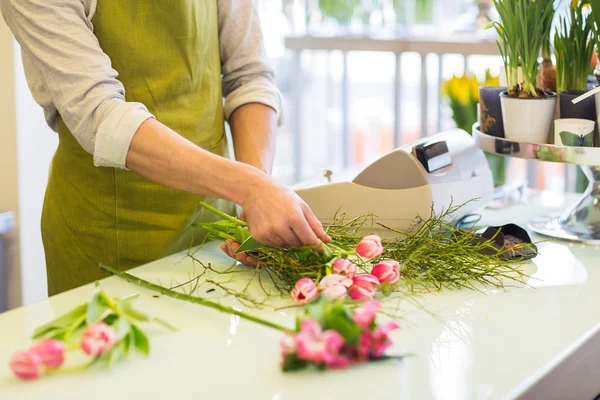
column 574, row 48
column 527, row 111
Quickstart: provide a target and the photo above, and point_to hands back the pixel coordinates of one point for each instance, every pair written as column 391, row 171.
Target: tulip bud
column 387, row 271
column 335, row 286
column 365, row 314
column 98, row 339
column 51, row 352
column 344, row 267
column 304, row 291
column 26, row 365
column 363, row 287
column 370, row 247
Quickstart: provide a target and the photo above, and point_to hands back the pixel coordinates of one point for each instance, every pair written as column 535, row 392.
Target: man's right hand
column 278, row 217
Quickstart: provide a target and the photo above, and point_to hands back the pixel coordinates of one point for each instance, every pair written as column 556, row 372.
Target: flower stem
column 188, row 298
column 223, row 215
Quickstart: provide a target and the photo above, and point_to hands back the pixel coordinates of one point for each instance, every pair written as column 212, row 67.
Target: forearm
column 254, row 129
column 163, row 156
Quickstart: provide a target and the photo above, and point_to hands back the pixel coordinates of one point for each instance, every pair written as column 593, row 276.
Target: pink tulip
column 287, row 344
column 98, row 339
column 363, row 286
column 381, row 340
column 370, row 247
column 26, row 365
column 335, row 286
column 344, row 267
column 374, row 344
column 365, row 314
column 317, row 346
column 304, row 291
column 387, row 271
column 51, row 352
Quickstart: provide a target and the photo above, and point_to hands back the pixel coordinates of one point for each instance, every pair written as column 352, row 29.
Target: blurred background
column 345, row 106
column 360, row 78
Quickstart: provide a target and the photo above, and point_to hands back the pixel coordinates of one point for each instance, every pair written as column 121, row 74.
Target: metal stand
column 581, row 221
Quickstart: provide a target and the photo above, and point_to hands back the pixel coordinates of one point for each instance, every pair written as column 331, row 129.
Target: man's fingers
column 316, row 225
column 304, row 232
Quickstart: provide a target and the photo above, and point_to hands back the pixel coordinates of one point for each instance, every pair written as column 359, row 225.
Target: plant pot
column 583, row 110
column 597, row 137
column 528, row 120
column 490, row 110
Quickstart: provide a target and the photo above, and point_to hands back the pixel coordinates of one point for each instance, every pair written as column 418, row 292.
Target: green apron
column 167, row 56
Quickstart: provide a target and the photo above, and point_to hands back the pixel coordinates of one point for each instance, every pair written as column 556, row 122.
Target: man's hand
column 278, row 217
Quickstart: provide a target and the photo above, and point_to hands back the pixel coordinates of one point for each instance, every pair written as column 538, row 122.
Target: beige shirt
column 69, row 74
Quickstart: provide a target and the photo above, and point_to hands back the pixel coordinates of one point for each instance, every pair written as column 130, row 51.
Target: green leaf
column 292, row 362
column 127, row 308
column 141, row 340
column 116, row 353
column 122, row 328
column 62, row 322
column 340, row 321
column 164, row 323
column 97, row 308
column 249, row 244
column 130, row 339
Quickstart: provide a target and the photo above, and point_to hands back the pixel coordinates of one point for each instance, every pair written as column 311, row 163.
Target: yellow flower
column 474, row 86
column 491, row 80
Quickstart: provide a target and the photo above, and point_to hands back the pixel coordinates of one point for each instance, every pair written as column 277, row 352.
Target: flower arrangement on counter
column 104, row 329
column 338, row 289
column 435, row 255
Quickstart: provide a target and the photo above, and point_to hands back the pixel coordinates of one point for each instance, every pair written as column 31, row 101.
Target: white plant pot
column 528, row 120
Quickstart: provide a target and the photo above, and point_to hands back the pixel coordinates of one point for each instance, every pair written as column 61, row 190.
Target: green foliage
column 341, row 10
column 523, row 27
column 435, row 255
column 574, row 46
column 119, row 313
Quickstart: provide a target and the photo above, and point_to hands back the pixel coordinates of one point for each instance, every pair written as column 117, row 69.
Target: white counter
column 476, row 346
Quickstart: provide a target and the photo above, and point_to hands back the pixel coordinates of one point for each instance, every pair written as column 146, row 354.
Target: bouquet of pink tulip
column 105, row 329
column 343, row 280
column 330, row 336
column 434, row 255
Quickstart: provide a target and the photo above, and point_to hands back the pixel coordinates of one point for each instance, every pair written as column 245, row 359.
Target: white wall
column 36, row 144
column 26, row 149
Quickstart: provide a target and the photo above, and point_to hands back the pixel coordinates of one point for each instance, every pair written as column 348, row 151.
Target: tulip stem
column 223, row 215
column 192, row 299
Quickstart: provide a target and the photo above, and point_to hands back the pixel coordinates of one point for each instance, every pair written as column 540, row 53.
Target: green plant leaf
column 292, row 362
column 116, row 353
column 127, row 308
column 249, row 244
column 122, row 328
column 97, row 308
column 141, row 340
column 339, row 319
column 62, row 322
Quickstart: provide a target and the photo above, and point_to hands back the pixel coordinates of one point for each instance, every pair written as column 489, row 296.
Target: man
column 137, row 153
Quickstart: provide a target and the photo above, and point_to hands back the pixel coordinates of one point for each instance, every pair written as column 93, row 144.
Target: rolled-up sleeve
column 70, row 76
column 248, row 76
